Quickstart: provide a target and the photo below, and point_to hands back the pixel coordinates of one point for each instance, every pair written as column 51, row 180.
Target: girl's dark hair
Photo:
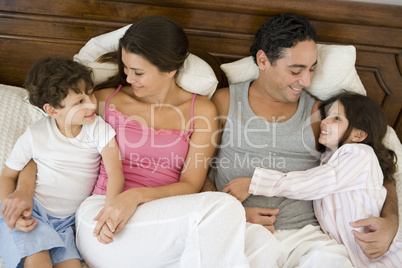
column 365, row 114
column 50, row 79
column 279, row 32
column 160, row 40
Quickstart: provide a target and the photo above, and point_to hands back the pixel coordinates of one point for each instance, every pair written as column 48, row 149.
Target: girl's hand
column 238, row 188
column 115, row 215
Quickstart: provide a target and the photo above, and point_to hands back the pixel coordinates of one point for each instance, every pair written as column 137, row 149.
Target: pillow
column 195, row 76
column 16, row 115
column 335, row 70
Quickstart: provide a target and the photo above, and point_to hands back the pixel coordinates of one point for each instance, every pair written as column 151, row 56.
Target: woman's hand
column 238, row 188
column 17, row 204
column 115, row 215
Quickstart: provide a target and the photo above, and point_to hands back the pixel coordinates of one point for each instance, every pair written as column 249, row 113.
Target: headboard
column 220, row 31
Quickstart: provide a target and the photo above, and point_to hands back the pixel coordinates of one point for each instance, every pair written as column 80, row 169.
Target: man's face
column 285, row 79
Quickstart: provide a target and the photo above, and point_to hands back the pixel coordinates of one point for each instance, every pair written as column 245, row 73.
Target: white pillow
column 335, row 71
column 195, row 76
column 16, row 115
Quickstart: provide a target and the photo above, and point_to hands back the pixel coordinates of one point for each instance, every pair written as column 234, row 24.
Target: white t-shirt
column 67, row 168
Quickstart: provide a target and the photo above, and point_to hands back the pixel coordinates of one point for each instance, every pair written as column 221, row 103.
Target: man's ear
column 262, row 60
column 358, row 135
column 50, row 110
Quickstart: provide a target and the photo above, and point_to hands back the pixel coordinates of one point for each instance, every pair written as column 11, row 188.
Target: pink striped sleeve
column 346, row 170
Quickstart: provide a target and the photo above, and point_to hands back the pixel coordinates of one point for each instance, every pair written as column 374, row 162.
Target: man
column 273, row 123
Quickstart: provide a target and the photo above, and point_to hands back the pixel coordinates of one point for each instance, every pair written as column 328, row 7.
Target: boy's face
column 334, row 126
column 78, row 109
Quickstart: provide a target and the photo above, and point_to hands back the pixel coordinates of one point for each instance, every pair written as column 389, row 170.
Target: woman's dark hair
column 160, row 40
column 50, row 79
column 280, row 32
column 365, row 114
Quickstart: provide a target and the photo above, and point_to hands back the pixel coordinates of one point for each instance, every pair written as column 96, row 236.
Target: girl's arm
column 201, row 149
column 345, row 171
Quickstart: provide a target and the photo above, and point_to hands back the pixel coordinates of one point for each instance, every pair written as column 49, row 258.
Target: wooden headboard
column 220, row 31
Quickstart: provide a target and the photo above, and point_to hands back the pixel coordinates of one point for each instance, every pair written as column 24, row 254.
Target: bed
column 220, row 32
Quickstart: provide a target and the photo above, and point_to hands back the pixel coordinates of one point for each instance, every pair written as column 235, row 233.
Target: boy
column 67, row 147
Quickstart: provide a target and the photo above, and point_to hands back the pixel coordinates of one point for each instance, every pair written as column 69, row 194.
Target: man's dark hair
column 279, row 32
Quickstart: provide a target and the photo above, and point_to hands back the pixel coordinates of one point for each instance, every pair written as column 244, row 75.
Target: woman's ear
column 172, row 73
column 358, row 135
column 50, row 110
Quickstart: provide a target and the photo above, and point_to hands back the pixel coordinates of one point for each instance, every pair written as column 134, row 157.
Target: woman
column 167, row 137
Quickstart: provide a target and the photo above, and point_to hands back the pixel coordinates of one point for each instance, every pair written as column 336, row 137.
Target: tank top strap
column 114, row 93
column 192, row 113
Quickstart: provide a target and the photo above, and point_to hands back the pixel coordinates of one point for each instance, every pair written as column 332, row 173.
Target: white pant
column 310, row 247
column 199, row 230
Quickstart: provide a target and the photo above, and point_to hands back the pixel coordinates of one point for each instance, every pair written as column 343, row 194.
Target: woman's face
column 144, row 77
column 334, row 126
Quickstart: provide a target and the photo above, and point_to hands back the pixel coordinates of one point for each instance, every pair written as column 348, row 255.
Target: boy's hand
column 25, row 224
column 16, row 205
column 238, row 188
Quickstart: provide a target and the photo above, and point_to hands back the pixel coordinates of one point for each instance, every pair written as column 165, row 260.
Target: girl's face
column 334, row 126
column 144, row 77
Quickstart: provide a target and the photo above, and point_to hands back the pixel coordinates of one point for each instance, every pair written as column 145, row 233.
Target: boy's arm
column 16, row 195
column 383, row 230
column 114, row 169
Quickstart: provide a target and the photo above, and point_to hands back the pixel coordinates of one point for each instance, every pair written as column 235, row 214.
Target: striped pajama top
column 347, row 186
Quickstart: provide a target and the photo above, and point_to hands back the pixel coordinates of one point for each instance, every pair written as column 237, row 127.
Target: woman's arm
column 114, row 169
column 382, row 229
column 16, row 194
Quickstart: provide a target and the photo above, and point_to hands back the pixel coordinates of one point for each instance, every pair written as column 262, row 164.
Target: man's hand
column 238, row 188
column 264, row 216
column 380, row 236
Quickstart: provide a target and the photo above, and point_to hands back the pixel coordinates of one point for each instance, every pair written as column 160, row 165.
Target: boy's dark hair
column 365, row 114
column 282, row 31
column 50, row 79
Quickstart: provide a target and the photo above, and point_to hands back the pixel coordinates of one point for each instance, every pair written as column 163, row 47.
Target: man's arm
column 208, row 186
column 382, row 230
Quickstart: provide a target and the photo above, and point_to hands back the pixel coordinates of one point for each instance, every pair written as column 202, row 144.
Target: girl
column 348, row 185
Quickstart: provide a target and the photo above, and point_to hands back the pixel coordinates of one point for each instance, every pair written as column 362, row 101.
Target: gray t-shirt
column 249, row 142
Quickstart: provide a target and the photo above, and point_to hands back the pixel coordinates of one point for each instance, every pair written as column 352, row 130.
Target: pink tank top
column 150, row 157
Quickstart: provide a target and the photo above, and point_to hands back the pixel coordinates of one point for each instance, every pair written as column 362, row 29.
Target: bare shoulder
column 204, row 106
column 102, row 94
